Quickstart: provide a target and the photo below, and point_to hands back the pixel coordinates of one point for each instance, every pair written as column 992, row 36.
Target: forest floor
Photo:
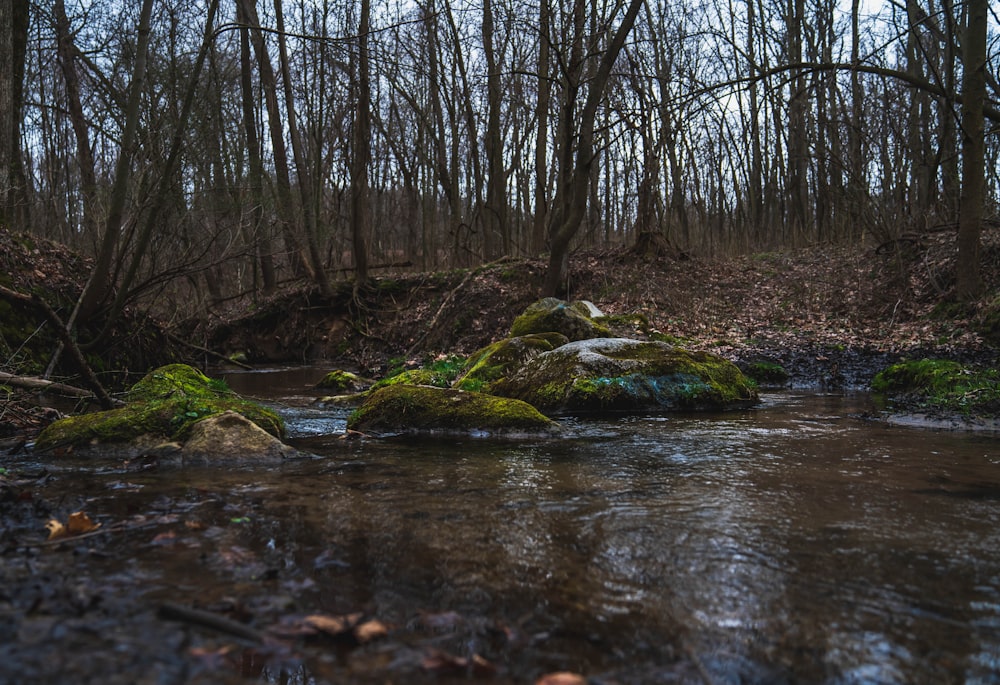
column 832, row 316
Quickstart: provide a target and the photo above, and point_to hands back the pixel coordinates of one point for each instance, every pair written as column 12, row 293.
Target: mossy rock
column 408, row 409
column 620, row 375
column 499, row 359
column 163, row 405
column 415, row 377
column 939, row 385
column 553, row 315
column 343, row 382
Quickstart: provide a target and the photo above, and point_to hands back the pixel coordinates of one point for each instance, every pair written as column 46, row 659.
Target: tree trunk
column 283, row 185
column 310, row 224
column 495, row 229
column 542, row 105
column 13, row 43
column 572, row 205
column 361, row 152
column 259, row 234
column 100, row 283
column 969, row 285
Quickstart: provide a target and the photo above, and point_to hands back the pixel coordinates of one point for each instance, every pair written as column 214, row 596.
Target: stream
column 795, row 542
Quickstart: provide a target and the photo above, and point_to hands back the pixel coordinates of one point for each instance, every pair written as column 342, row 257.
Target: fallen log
column 35, row 383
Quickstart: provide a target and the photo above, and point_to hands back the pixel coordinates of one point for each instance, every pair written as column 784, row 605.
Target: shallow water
column 791, row 543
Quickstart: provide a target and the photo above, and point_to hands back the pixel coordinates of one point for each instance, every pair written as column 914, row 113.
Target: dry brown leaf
column 440, row 661
column 371, row 629
column 78, row 523
column 561, row 678
column 334, row 626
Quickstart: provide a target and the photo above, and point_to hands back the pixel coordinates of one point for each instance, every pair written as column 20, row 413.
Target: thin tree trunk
column 361, row 152
column 66, row 52
column 283, row 186
column 495, row 229
column 259, row 234
column 13, row 46
column 542, row 104
column 970, row 214
column 100, row 283
column 310, row 226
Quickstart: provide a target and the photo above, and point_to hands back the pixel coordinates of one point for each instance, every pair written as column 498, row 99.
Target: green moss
column 550, row 314
column 439, row 373
column 165, row 403
column 341, row 381
column 497, row 360
column 621, row 375
column 176, row 380
column 637, row 321
column 766, row 373
column 402, row 408
column 939, row 384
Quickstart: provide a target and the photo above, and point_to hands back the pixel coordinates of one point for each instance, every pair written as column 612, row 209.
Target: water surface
column 795, row 542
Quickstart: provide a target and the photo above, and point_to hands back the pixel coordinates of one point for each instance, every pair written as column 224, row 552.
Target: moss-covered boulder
column 163, row 406
column 939, row 385
column 615, row 375
column 343, row 382
column 409, row 409
column 553, row 315
column 496, row 361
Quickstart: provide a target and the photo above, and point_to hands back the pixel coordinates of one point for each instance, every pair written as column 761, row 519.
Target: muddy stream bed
column 796, row 542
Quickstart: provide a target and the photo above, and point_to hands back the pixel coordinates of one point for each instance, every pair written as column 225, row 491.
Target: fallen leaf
column 78, row 523
column 443, row 662
column 166, row 538
column 371, row 629
column 561, row 678
column 334, row 626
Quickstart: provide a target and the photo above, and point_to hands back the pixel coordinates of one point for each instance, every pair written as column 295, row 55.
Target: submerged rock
column 163, row 406
column 610, row 375
column 553, row 315
column 407, row 409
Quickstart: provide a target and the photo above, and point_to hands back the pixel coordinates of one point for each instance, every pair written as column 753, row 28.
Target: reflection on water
column 790, row 543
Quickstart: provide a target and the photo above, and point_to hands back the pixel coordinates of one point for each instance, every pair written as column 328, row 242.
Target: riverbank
column 830, row 316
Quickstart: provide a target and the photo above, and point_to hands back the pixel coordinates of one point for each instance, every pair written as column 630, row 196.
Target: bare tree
column 361, row 150
column 970, row 217
column 575, row 165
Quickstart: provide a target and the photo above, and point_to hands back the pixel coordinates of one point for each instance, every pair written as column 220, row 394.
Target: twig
column 433, row 324
column 179, row 612
column 89, row 378
column 209, row 352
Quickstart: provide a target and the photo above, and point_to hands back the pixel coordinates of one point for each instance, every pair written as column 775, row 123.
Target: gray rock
column 230, row 436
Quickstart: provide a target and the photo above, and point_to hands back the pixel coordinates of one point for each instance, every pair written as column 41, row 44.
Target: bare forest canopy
column 200, row 150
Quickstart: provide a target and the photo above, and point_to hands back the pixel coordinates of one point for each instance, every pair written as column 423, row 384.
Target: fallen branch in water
column 207, row 619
